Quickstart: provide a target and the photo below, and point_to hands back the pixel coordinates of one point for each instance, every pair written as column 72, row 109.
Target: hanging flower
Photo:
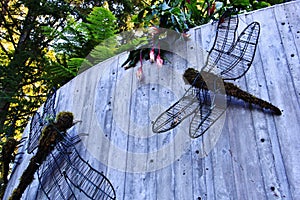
column 212, row 9
column 152, row 55
column 186, row 35
column 159, row 60
column 153, row 30
column 140, row 74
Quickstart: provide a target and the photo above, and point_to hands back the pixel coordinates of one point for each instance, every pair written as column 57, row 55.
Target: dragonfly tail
column 234, row 91
column 25, row 180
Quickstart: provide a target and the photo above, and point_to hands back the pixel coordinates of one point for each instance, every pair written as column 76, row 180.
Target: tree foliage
column 33, row 57
column 27, row 29
column 78, row 39
column 180, row 15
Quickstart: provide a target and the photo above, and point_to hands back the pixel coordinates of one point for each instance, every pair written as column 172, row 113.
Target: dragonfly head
column 64, row 120
column 190, row 75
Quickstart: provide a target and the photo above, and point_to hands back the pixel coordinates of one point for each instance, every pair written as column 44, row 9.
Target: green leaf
column 260, row 4
column 141, row 14
column 273, row 2
column 175, row 11
column 240, row 3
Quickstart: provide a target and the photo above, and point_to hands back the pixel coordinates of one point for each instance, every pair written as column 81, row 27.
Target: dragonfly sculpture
column 228, row 59
column 60, row 169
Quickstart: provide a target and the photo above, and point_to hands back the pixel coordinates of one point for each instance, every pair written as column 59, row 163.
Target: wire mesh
column 207, row 114
column 180, row 110
column 38, row 122
column 232, row 62
column 65, row 172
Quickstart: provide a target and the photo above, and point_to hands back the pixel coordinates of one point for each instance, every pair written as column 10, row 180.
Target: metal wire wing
column 175, row 114
column 36, row 126
column 49, row 173
column 207, row 114
column 232, row 63
column 224, row 39
column 38, row 122
column 49, row 112
column 65, row 172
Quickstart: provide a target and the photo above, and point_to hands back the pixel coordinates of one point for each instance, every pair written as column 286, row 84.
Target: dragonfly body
column 191, row 76
column 52, row 134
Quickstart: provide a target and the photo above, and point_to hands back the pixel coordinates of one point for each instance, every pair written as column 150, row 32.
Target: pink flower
column 186, row 35
column 159, row 61
column 212, row 9
column 153, row 30
column 152, row 56
column 189, row 1
column 140, row 74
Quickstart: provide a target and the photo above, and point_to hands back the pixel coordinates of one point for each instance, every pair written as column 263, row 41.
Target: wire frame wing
column 175, row 114
column 236, row 62
column 207, row 114
column 224, row 39
column 50, row 174
column 65, row 171
column 36, row 126
column 38, row 121
column 88, row 180
column 49, row 112
column 52, row 182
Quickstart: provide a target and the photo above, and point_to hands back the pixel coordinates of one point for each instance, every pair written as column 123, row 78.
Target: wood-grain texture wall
column 249, row 154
